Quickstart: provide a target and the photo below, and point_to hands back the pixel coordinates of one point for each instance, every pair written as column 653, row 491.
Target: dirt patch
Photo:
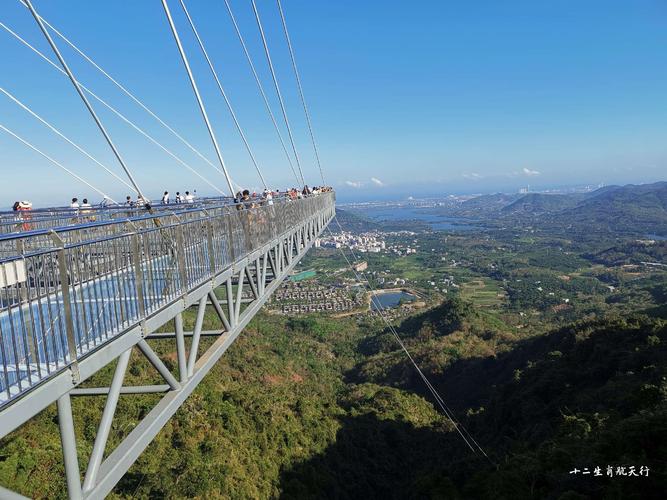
column 273, row 379
column 560, row 307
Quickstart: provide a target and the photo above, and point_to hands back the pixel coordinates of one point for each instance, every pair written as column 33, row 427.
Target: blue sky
column 406, row 98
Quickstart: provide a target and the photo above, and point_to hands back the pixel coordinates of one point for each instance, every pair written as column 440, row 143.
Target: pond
column 384, row 300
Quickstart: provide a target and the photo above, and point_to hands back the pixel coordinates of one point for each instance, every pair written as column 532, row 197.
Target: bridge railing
column 64, row 292
column 12, row 222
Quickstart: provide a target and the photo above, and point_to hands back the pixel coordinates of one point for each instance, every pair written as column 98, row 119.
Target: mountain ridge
column 632, row 208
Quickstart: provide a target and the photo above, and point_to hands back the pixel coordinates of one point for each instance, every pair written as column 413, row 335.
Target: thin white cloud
column 377, row 182
column 354, row 184
column 473, row 176
column 530, row 172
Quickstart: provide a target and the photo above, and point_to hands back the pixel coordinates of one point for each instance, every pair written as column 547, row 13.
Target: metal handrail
column 68, row 290
column 23, row 222
column 8, row 246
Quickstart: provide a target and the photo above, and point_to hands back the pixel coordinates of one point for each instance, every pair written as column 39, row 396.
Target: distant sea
column 435, row 221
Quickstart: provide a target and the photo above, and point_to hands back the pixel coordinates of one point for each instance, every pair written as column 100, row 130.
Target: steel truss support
column 196, row 335
column 105, row 424
column 258, row 274
column 68, row 440
column 136, row 389
column 180, row 348
column 172, row 335
column 218, row 309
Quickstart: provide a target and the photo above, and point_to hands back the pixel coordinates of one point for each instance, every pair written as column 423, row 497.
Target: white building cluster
column 364, row 243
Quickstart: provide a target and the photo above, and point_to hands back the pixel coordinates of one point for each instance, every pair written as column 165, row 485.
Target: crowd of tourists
column 245, row 199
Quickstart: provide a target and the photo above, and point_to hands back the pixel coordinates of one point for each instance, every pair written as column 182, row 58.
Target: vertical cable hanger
column 120, row 115
column 298, row 83
column 261, row 91
column 85, row 100
column 280, row 96
column 195, row 89
column 224, row 94
column 120, row 86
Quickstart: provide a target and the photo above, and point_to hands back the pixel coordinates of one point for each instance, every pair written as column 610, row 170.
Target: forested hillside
column 590, row 394
column 321, row 407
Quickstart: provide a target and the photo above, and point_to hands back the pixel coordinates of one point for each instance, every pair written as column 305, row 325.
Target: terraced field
column 483, row 292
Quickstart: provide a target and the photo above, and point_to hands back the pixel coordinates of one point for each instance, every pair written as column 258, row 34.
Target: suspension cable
column 104, row 132
column 275, row 84
column 460, row 428
column 400, row 342
column 55, row 162
column 115, row 111
column 298, row 83
column 223, row 93
column 123, row 89
column 191, row 77
column 56, row 131
column 426, row 381
column 261, row 91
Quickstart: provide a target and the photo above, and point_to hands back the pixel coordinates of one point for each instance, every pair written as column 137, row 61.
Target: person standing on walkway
column 86, row 209
column 24, row 208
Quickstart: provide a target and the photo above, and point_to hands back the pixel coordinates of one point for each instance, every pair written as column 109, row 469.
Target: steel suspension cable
column 461, row 429
column 56, row 131
column 191, row 77
column 79, row 91
column 125, row 90
column 115, row 111
column 277, row 87
column 298, row 84
column 426, row 381
column 223, row 93
column 261, row 91
column 405, row 350
column 55, row 162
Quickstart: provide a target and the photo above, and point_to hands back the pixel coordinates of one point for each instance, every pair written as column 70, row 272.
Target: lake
column 384, row 300
column 436, row 222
